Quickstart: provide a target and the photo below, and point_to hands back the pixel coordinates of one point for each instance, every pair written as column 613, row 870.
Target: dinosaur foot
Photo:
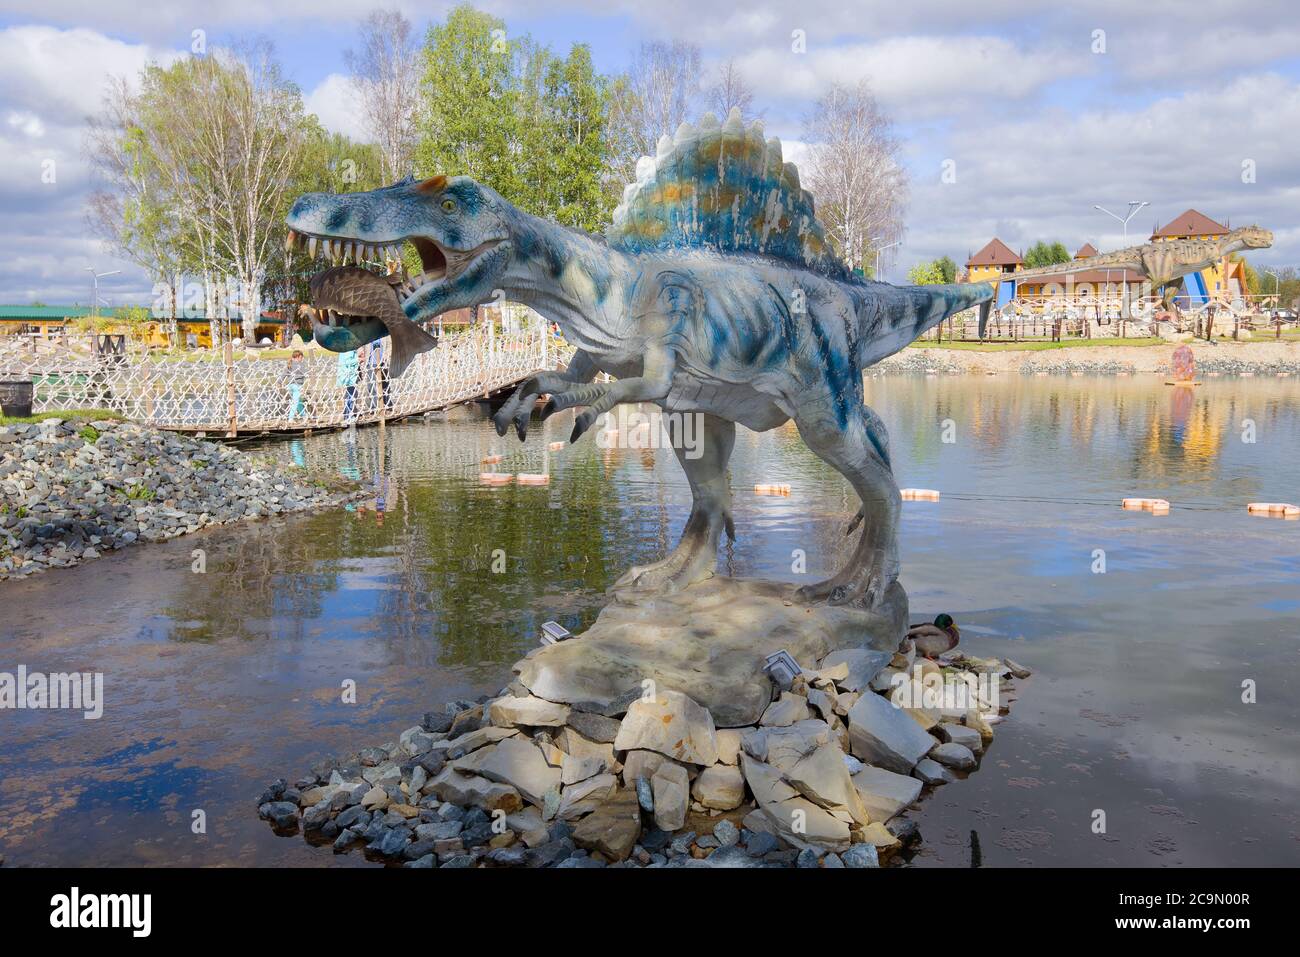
column 860, row 585
column 686, row 566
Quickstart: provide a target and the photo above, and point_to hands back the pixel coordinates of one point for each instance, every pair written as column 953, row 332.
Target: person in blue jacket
column 346, row 378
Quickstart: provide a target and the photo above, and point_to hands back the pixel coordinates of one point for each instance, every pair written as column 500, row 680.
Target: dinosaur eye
column 449, row 206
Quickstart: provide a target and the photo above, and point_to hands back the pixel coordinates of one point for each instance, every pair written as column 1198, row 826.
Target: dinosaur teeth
column 311, row 248
column 290, row 241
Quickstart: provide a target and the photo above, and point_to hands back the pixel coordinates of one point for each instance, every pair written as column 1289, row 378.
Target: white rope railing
column 223, row 392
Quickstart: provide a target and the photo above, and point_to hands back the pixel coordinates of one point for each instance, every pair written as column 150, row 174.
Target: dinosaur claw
column 857, row 520
column 499, row 424
column 582, row 424
column 548, row 410
column 521, row 428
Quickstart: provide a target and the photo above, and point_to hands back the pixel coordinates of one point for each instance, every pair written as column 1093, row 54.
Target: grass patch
column 67, row 415
column 1034, row 345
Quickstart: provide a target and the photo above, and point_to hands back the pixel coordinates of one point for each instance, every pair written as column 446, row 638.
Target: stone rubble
column 72, row 490
column 498, row 783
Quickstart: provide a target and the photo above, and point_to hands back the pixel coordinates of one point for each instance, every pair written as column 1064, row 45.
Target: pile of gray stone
column 1229, row 365
column 923, row 361
column 71, row 490
column 1077, row 367
column 822, row 780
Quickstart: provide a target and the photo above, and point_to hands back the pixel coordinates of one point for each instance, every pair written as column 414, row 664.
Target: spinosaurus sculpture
column 714, row 292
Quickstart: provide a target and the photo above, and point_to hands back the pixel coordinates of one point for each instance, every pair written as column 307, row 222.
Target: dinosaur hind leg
column 696, row 554
column 859, row 453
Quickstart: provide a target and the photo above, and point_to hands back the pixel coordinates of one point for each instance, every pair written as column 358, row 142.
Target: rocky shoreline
column 75, row 489
column 824, row 779
column 1223, row 358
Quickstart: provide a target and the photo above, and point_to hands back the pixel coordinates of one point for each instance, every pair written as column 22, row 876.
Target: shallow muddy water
column 217, row 682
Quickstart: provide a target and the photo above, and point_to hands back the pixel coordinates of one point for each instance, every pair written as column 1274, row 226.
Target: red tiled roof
column 1085, row 251
column 996, row 253
column 1191, row 223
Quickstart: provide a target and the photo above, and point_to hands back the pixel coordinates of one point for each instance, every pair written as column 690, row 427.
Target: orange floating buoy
column 1276, row 509
column 1157, row 506
column 555, row 446
column 919, row 494
column 490, row 459
column 532, row 478
column 495, row 478
column 771, row 489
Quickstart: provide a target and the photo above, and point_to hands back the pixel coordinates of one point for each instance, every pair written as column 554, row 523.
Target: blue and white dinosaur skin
column 713, row 292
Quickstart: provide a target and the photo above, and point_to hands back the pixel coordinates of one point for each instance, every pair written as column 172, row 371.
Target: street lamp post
column 1277, row 301
column 879, row 250
column 1134, row 206
column 97, row 276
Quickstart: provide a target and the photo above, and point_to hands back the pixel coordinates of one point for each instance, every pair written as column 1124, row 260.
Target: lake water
column 218, row 682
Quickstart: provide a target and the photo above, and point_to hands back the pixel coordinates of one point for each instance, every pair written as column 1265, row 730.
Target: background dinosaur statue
column 1162, row 262
column 713, row 292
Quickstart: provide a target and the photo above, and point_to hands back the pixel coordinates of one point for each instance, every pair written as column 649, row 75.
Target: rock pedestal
column 708, row 642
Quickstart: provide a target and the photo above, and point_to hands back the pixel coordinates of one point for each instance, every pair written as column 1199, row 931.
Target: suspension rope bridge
column 224, row 393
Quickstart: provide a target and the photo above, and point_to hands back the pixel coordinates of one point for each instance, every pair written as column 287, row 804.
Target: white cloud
column 334, row 101
column 1037, row 176
column 59, row 75
column 917, row 76
column 51, row 81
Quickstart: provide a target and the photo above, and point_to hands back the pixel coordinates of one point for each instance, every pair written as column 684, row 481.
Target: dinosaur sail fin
column 721, row 186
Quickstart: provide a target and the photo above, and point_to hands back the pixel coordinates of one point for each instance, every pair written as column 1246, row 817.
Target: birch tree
column 386, row 76
column 226, row 132
column 730, row 91
column 657, row 94
column 128, row 206
column 854, row 175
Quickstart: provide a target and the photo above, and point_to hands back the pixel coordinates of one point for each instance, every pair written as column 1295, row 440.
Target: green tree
column 926, row 274
column 578, row 99
column 1046, row 254
column 469, row 123
column 515, row 117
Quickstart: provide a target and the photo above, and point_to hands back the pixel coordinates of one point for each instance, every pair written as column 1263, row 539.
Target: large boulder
column 810, row 760
column 470, row 789
column 883, row 735
column 884, row 793
column 708, row 641
column 518, row 763
column 509, row 712
column 863, row 665
column 613, row 828
column 721, row 787
column 672, row 796
column 672, row 724
column 584, row 797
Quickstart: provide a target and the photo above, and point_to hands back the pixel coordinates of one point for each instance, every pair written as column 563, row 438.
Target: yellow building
column 992, row 262
column 1225, row 279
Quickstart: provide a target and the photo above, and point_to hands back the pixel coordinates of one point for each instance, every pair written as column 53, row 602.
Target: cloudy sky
column 1038, row 113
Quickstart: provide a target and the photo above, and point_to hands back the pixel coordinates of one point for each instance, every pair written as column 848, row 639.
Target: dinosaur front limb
column 519, row 407
column 653, row 384
column 696, row 554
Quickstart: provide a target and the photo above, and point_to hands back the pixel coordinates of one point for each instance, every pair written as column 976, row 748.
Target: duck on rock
column 934, row 639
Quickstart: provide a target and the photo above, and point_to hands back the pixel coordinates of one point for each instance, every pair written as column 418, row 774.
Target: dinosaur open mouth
column 437, row 263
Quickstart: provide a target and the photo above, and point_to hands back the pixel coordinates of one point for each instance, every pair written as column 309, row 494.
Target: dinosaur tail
column 906, row 312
